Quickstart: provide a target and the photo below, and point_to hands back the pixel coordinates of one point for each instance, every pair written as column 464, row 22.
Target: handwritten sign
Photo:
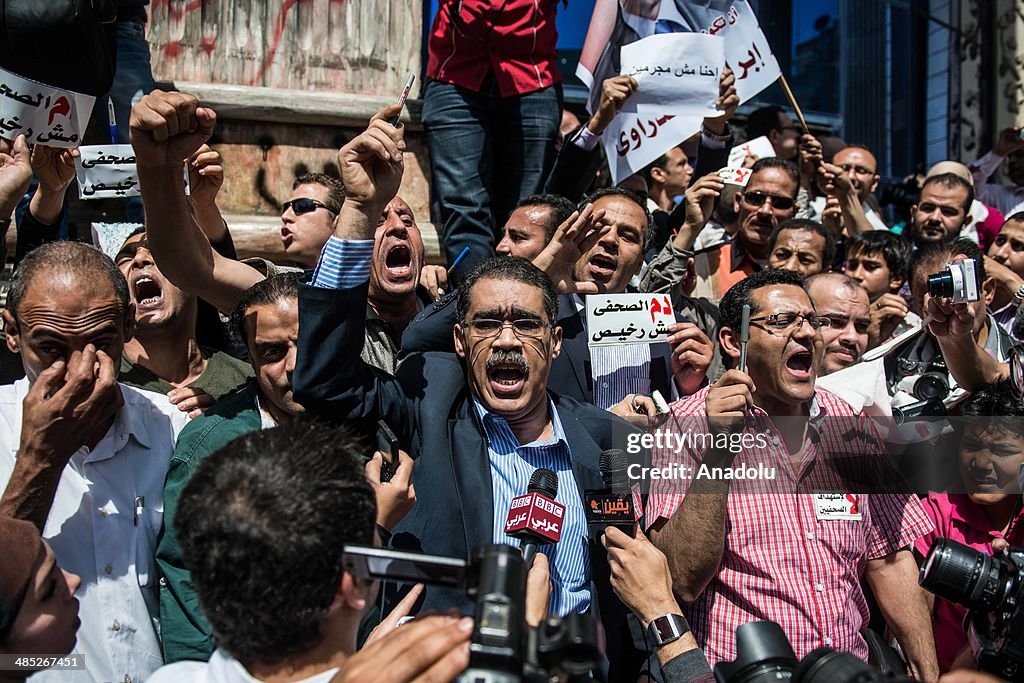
column 614, row 319
column 632, row 141
column 735, row 176
column 746, row 49
column 758, row 148
column 676, row 72
column 46, row 115
column 106, row 171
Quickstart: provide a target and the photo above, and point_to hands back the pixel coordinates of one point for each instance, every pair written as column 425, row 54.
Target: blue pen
column 462, row 255
column 113, row 121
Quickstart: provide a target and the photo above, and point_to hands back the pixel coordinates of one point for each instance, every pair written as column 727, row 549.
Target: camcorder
column 503, row 647
column 763, row 654
column 959, row 282
column 992, row 588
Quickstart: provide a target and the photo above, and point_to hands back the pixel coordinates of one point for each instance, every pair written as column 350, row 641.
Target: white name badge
column 829, row 506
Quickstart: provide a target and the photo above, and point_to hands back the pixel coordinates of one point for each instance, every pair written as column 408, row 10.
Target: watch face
column 668, row 628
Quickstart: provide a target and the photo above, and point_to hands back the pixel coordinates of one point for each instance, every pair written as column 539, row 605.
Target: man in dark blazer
column 477, row 422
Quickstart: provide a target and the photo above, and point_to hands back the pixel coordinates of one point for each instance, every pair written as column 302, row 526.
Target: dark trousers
column 486, row 152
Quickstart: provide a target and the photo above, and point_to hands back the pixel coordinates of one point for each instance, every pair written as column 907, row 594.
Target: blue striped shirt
column 512, row 465
column 343, row 263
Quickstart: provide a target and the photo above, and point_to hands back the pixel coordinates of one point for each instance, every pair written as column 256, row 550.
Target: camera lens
column 825, row 665
column 941, row 285
column 963, row 575
column 931, row 385
column 763, row 654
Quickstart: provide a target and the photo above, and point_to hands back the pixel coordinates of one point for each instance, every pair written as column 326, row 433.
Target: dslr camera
column 992, row 588
column 959, row 282
column 764, row 655
column 503, row 648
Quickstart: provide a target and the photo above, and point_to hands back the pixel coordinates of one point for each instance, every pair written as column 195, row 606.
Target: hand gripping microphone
column 536, row 519
column 612, row 505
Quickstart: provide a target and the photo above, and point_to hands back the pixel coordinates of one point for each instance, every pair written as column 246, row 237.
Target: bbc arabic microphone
column 612, row 505
column 535, row 518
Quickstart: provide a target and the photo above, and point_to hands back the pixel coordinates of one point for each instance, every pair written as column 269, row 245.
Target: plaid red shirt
column 781, row 561
column 514, row 38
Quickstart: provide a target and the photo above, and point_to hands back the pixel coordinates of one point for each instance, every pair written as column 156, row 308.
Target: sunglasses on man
column 779, row 202
column 305, row 205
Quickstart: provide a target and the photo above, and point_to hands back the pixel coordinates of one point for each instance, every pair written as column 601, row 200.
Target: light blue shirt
column 343, row 263
column 512, row 466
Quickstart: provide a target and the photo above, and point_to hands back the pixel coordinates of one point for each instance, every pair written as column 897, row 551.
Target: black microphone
column 613, row 464
column 612, row 505
column 536, row 518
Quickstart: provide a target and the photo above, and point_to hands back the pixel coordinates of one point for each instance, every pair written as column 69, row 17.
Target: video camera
column 503, row 647
column 763, row 654
column 992, row 588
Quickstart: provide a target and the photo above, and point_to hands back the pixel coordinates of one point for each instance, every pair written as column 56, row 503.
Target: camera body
column 503, row 648
column 959, row 282
column 992, row 588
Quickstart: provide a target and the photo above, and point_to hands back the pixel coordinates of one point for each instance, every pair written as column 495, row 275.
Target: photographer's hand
column 640, row 577
column 396, row 497
column 538, row 590
column 433, row 648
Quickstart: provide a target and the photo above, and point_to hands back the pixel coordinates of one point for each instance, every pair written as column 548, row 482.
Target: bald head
column 844, row 302
column 954, row 167
column 67, row 265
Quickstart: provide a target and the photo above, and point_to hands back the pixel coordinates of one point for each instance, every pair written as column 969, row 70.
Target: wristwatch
column 668, row 628
column 1019, row 294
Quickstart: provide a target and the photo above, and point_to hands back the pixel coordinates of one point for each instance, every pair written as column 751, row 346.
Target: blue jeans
column 486, row 153
column 133, row 79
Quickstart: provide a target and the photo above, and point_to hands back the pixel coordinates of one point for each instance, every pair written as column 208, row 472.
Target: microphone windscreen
column 613, row 464
column 544, row 482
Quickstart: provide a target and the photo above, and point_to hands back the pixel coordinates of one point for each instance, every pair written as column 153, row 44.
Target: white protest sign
column 735, row 176
column 759, row 148
column 614, row 319
column 107, row 171
column 746, row 50
column 46, row 115
column 632, row 141
column 676, row 72
column 110, row 236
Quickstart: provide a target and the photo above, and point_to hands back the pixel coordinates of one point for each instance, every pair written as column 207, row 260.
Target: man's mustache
column 504, row 358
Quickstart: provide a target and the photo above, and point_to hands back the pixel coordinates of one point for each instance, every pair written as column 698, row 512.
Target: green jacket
column 184, row 629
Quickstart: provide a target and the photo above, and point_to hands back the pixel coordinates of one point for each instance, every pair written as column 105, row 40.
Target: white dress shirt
column 103, row 525
column 222, row 668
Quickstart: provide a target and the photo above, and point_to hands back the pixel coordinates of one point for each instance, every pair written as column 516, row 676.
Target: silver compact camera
column 959, row 282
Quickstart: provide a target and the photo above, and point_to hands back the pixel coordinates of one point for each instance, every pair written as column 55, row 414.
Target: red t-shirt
column 514, row 38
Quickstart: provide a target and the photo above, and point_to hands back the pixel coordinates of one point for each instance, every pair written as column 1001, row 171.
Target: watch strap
column 667, row 628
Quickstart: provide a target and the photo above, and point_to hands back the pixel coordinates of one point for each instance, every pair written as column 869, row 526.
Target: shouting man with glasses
column 477, row 422
column 768, row 199
column 790, row 541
